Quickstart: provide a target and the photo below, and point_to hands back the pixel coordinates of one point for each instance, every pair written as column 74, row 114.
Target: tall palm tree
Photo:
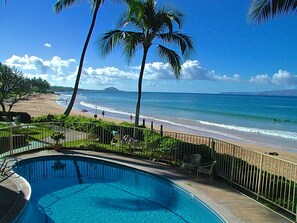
column 262, row 10
column 59, row 6
column 153, row 25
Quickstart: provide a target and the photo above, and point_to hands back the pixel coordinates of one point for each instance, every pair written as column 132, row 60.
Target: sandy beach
column 45, row 104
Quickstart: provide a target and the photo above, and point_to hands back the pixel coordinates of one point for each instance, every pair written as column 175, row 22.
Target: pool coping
column 22, row 191
column 180, row 177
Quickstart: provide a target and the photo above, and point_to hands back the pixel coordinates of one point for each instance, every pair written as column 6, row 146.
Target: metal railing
column 262, row 176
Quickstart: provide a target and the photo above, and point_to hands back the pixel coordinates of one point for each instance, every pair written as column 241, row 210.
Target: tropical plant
column 57, row 136
column 262, row 10
column 13, row 86
column 59, row 6
column 95, row 4
column 153, row 25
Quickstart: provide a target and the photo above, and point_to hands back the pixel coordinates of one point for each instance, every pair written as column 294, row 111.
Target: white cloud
column 48, row 45
column 58, row 71
column 260, row 79
column 42, row 76
column 37, row 64
column 157, row 70
column 107, row 75
column 284, row 78
column 191, row 70
column 280, row 78
column 55, row 70
column 24, row 63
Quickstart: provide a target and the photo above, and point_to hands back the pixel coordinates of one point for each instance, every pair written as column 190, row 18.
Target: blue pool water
column 76, row 189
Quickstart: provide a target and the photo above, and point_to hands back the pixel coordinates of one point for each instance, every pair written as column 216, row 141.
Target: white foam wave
column 66, row 95
column 101, row 108
column 191, row 127
column 282, row 134
column 274, row 133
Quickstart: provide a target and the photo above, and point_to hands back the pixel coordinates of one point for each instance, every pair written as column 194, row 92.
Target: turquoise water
column 267, row 120
column 66, row 189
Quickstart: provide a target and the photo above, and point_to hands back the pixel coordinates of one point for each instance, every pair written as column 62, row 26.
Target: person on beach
column 103, row 114
column 131, row 118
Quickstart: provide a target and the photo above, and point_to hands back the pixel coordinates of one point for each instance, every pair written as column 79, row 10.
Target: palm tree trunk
column 3, row 107
column 81, row 62
column 140, row 87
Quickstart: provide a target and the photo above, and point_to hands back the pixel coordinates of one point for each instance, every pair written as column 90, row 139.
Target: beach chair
column 191, row 162
column 206, row 168
column 116, row 139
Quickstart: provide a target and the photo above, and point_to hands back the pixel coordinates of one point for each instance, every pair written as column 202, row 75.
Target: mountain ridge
column 288, row 92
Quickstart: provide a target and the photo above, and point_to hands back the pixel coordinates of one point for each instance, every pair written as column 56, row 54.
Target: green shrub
column 23, row 116
column 57, row 136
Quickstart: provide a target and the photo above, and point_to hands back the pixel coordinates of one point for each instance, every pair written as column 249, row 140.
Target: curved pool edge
column 231, row 204
column 19, row 202
column 159, row 170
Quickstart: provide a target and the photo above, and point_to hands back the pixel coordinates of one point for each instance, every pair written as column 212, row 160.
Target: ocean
column 269, row 121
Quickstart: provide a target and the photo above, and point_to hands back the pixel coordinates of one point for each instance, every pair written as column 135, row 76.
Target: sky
column 232, row 54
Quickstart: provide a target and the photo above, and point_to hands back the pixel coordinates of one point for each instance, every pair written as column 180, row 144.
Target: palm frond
column 109, row 40
column 130, row 20
column 176, row 16
column 135, row 9
column 94, row 3
column 262, row 10
column 184, row 41
column 131, row 42
column 61, row 4
column 172, row 57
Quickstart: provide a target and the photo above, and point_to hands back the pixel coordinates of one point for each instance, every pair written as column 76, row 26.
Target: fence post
column 27, row 136
column 161, row 130
column 232, row 164
column 175, row 149
column 43, row 135
column 143, row 122
column 213, row 148
column 152, row 125
column 260, row 177
column 10, row 140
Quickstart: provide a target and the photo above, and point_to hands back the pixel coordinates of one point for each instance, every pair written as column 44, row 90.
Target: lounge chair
column 191, row 162
column 116, row 139
column 206, row 168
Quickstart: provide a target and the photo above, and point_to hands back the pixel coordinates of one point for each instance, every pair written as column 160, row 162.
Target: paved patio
column 232, row 205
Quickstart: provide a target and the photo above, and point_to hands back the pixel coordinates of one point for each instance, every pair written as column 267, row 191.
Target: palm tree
column 262, row 10
column 59, row 6
column 153, row 25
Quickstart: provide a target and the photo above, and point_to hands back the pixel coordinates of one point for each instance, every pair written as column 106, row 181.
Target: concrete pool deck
column 232, row 205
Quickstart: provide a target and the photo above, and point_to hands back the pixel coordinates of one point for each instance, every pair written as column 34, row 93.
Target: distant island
column 67, row 89
column 111, row 90
column 266, row 93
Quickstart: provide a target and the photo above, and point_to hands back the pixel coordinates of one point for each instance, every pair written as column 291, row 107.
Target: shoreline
column 44, row 104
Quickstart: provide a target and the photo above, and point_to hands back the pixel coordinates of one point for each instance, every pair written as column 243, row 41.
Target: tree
column 12, row 86
column 61, row 4
column 22, row 88
column 153, row 25
column 39, row 85
column 262, row 10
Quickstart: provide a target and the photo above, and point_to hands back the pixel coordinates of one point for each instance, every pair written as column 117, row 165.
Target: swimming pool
column 80, row 189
